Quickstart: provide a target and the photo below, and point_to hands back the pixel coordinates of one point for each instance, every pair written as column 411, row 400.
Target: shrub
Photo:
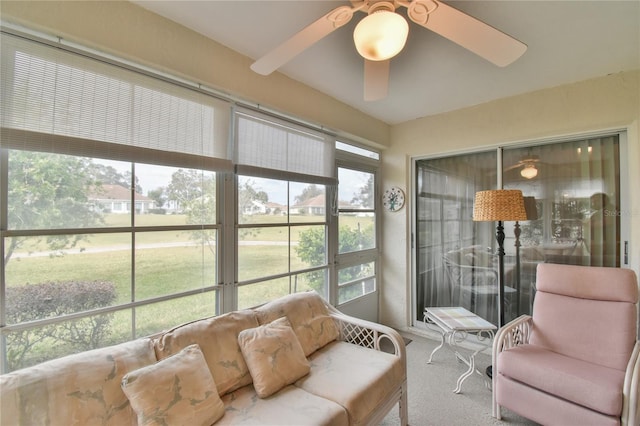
column 52, row 300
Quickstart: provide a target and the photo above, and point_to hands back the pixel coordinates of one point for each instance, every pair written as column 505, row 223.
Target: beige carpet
column 430, row 390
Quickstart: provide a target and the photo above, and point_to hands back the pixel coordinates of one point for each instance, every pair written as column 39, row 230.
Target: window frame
column 354, row 161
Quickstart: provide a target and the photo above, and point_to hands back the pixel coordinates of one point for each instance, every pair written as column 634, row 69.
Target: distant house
column 117, row 199
column 254, row 207
column 314, row 206
column 275, row 208
column 259, row 207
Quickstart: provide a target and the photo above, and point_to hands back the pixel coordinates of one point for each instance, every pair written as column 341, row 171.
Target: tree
column 247, row 194
column 191, row 186
column 109, row 175
column 195, row 194
column 49, row 191
column 365, row 197
column 158, row 195
column 308, row 193
column 311, row 249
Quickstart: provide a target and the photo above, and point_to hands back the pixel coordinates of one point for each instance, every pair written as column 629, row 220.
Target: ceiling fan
column 383, row 33
column 527, row 166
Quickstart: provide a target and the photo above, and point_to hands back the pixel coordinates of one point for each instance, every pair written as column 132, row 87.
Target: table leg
column 472, row 367
column 471, row 362
column 437, row 348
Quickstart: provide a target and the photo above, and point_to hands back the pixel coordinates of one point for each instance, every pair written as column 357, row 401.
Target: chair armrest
column 366, row 333
column 512, row 334
column 631, row 390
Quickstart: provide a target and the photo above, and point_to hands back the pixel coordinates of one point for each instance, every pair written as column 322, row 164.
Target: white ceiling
column 568, row 41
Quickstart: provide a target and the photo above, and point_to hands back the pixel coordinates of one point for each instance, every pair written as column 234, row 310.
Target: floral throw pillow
column 176, row 390
column 274, row 356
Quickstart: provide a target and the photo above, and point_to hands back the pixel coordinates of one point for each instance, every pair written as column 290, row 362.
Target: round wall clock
column 393, row 199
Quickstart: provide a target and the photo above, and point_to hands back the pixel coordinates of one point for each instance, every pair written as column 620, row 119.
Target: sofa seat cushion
column 594, row 386
column 355, row 377
column 80, row 389
column 218, row 340
column 308, row 315
column 289, row 406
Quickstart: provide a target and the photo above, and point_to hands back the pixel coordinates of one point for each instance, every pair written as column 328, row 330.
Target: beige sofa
column 295, row 361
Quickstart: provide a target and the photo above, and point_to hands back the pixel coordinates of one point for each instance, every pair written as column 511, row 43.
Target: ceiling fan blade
column 467, row 31
column 515, row 166
column 304, row 39
column 376, row 79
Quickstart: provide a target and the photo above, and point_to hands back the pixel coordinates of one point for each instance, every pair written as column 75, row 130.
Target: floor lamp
column 499, row 205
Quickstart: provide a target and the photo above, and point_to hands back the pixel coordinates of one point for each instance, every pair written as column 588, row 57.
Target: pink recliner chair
column 576, row 360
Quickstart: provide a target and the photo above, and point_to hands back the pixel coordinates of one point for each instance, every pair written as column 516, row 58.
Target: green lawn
column 175, row 266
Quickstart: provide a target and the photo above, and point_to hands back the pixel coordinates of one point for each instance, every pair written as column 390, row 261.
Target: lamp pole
column 500, row 239
column 516, row 232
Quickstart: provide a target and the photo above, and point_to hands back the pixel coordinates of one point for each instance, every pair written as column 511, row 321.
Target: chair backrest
column 585, row 312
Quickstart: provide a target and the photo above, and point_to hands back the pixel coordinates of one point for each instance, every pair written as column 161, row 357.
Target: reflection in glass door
column 575, row 188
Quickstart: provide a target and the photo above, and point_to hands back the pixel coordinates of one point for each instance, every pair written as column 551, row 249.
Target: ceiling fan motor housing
column 382, row 34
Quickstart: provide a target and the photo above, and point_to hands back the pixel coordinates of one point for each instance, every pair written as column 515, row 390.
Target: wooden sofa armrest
column 366, row 333
column 631, row 390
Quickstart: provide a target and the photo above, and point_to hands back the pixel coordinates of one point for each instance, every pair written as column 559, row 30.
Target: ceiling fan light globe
column 381, row 35
column 529, row 171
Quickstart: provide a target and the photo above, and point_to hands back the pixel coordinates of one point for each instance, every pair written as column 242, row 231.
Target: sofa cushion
column 289, row 406
column 590, row 385
column 545, row 409
column 218, row 340
column 309, row 318
column 81, row 389
column 274, row 356
column 356, row 377
column 176, row 390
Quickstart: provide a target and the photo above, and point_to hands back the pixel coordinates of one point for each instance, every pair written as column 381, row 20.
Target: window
column 110, row 224
column 88, row 275
column 356, row 222
column 282, row 239
column 284, row 171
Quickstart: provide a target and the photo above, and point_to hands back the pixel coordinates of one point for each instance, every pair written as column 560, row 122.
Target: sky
column 151, row 177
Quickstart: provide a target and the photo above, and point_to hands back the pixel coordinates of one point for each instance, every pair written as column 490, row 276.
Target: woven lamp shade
column 499, row 205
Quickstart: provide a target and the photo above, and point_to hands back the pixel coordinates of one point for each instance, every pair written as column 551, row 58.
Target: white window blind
column 268, row 147
column 57, row 100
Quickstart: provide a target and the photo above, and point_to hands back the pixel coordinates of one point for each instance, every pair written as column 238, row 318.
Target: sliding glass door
column 573, row 191
column 447, row 240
